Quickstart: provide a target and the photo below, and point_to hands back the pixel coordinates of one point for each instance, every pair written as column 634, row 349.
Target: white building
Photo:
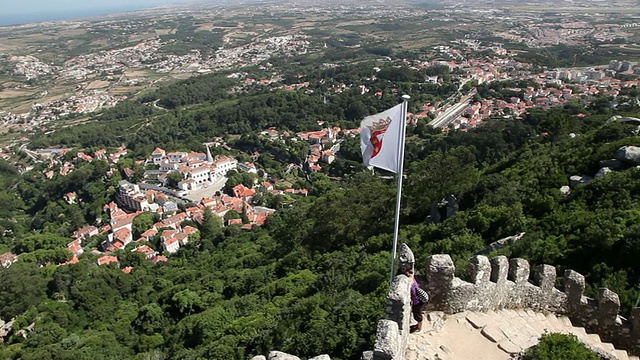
column 130, row 196
column 199, row 175
column 157, row 155
column 171, row 245
column 165, row 165
column 225, row 164
column 176, row 157
column 248, row 167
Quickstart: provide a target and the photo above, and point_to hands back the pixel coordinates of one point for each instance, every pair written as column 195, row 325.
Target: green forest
column 313, row 279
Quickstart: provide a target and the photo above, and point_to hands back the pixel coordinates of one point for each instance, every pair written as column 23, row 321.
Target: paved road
column 210, row 190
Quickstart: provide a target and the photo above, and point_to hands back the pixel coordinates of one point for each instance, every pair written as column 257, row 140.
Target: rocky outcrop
column 603, row 172
column 321, row 357
column 6, row 328
column 499, row 244
column 629, row 155
column 442, row 210
column 612, row 164
column 576, row 180
column 628, row 119
column 278, row 355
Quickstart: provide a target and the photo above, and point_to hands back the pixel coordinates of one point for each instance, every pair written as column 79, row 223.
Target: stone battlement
column 501, row 283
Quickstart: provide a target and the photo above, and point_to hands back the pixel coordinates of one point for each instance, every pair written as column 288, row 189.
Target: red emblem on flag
column 378, row 128
column 376, row 141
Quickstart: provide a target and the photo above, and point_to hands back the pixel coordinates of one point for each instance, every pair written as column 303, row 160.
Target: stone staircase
column 495, row 335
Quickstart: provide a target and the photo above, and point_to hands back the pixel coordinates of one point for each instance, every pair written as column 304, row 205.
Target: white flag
column 380, row 139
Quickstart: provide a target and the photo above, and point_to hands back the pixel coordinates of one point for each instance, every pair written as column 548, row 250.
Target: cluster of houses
column 553, row 88
column 171, row 232
column 197, row 169
column 119, row 233
column 56, row 164
column 323, row 146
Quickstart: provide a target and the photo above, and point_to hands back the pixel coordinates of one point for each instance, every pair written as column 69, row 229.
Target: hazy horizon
column 27, row 11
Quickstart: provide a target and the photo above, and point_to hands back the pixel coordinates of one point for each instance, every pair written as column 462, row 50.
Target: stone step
column 565, row 321
column 560, row 324
column 509, row 347
column 544, row 327
column 621, row 354
column 607, row 347
column 508, row 331
column 594, row 339
column 556, row 324
column 524, row 318
column 579, row 332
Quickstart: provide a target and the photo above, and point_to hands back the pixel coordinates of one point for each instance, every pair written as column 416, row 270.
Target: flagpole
column 401, row 136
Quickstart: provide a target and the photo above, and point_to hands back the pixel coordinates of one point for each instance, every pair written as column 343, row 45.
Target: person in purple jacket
column 416, row 303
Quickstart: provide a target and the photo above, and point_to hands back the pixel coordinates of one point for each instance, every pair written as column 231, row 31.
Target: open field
column 181, row 76
column 18, row 106
column 71, row 32
column 98, row 84
column 76, row 121
column 8, row 93
column 211, row 27
column 161, row 32
column 418, row 42
column 124, row 90
column 138, row 73
column 5, row 46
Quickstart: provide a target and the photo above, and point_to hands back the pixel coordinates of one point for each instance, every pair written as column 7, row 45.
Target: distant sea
column 16, row 19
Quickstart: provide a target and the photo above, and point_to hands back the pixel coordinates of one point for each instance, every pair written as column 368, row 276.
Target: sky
column 22, row 11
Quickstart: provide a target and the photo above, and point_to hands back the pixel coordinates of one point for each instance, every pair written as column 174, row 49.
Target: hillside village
column 156, row 195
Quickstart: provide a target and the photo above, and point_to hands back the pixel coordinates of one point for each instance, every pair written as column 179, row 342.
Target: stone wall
column 502, row 283
column 393, row 331
column 499, row 283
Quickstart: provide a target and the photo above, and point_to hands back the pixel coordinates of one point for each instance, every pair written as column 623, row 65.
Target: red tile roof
column 159, row 258
column 107, row 260
column 242, row 191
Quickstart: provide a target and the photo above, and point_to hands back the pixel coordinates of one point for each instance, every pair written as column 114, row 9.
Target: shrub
column 559, row 347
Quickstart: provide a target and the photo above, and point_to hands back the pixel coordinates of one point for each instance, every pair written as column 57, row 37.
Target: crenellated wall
column 499, row 283
column 393, row 331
